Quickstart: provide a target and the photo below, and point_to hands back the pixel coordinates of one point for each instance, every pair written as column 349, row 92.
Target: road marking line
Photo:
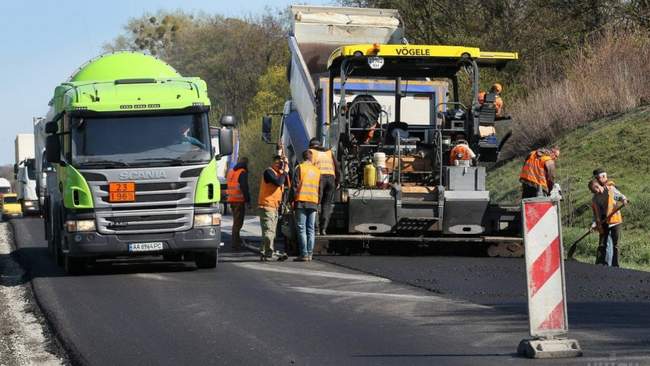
column 379, row 295
column 306, row 272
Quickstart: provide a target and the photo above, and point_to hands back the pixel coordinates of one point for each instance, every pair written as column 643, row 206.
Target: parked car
column 10, row 206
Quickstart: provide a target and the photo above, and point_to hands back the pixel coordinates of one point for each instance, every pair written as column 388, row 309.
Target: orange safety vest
column 324, row 161
column 309, row 181
column 270, row 195
column 462, row 150
column 534, row 170
column 616, row 218
column 233, row 191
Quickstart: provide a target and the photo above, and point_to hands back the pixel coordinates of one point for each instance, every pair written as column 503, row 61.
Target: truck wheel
column 206, row 259
column 74, row 265
column 56, row 244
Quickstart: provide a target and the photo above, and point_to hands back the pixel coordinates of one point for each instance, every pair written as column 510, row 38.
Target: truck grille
column 139, row 221
column 160, row 205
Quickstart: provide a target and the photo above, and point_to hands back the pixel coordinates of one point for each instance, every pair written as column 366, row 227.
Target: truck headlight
column 207, row 219
column 29, row 203
column 73, row 226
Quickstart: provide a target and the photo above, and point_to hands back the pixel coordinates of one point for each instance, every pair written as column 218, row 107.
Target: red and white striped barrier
column 544, row 269
column 547, row 311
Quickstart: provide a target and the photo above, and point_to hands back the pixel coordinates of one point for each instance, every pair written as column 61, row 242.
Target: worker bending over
column 274, row 181
column 538, row 175
column 607, row 220
column 306, row 182
column 238, row 197
column 329, row 180
column 461, row 154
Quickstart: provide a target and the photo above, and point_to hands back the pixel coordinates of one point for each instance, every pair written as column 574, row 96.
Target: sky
column 42, row 42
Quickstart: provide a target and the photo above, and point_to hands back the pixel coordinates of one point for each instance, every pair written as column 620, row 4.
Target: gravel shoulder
column 24, row 335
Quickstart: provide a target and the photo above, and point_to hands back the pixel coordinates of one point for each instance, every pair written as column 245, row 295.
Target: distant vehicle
column 24, row 147
column 25, row 174
column 10, row 206
column 26, row 186
column 136, row 173
column 5, row 186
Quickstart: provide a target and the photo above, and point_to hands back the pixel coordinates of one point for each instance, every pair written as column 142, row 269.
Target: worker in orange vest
column 494, row 96
column 538, row 175
column 325, row 161
column 305, row 196
column 238, row 197
column 461, row 153
column 608, row 225
column 274, row 180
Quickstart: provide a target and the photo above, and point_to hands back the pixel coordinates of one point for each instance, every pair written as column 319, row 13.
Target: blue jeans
column 306, row 222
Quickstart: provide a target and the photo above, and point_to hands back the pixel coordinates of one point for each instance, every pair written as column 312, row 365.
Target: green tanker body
column 134, row 166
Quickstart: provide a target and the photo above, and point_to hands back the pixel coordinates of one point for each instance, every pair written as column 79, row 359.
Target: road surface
column 251, row 313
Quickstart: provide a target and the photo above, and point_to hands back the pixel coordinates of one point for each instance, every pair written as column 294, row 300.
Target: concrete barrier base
column 549, row 348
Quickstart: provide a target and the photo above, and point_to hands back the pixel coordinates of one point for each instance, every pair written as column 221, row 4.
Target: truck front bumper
column 94, row 244
column 31, row 207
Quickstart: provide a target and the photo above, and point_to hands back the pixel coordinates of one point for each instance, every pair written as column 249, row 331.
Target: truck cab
column 25, row 174
column 131, row 144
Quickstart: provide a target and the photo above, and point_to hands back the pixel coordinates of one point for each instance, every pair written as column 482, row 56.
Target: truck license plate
column 146, row 247
column 121, row 192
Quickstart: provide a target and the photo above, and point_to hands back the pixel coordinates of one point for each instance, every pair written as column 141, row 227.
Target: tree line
column 244, row 59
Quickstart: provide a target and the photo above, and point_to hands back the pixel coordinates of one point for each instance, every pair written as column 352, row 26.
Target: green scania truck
column 134, row 166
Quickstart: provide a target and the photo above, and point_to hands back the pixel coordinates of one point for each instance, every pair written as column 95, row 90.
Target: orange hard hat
column 497, row 88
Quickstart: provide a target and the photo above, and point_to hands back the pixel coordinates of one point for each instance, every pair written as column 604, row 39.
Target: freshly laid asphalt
column 377, row 311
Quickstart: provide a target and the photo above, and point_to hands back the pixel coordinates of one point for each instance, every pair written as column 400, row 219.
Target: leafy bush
column 610, row 75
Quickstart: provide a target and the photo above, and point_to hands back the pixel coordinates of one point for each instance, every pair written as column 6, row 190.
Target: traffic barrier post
column 547, row 310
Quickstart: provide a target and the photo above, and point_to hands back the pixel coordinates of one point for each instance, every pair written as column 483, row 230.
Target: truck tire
column 57, row 237
column 206, row 259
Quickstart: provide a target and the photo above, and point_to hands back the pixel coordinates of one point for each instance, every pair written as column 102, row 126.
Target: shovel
column 574, row 246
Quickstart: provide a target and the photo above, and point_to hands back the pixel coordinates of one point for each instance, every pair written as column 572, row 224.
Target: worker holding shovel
column 607, row 216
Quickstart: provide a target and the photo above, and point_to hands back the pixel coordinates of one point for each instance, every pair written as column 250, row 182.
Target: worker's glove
column 556, row 192
column 594, row 226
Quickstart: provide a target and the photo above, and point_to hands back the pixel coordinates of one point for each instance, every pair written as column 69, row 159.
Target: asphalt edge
column 64, row 348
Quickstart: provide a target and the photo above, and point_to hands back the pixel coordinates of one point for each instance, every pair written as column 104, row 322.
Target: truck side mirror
column 267, row 124
column 52, row 149
column 228, row 121
column 51, row 127
column 225, row 142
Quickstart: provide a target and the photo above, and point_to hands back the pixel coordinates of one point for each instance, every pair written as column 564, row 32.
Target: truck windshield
column 141, row 140
column 9, row 199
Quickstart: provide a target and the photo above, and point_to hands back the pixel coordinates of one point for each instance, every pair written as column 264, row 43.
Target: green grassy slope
column 619, row 144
